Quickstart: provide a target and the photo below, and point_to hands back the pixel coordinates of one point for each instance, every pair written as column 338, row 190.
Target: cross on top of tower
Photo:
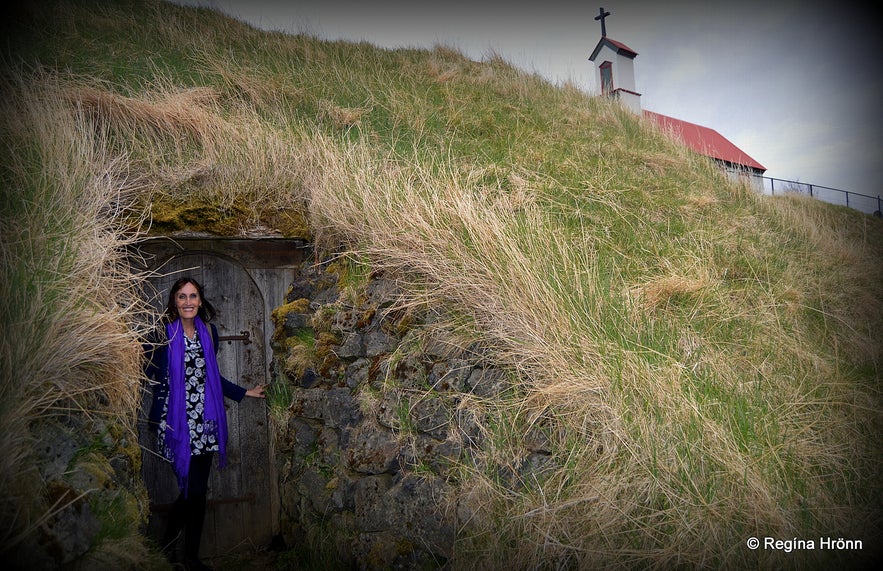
column 601, row 15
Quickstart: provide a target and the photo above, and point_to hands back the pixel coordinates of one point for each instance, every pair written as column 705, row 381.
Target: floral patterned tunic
column 202, row 441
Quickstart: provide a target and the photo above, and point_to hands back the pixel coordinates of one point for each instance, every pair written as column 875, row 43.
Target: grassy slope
column 706, row 362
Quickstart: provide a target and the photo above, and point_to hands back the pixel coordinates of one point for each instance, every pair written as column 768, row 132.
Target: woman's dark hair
column 206, row 309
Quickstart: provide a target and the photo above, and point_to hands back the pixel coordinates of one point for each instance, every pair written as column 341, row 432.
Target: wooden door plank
column 254, row 422
column 241, row 497
column 227, row 516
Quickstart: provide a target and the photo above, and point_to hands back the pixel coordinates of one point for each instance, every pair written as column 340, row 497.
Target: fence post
column 810, row 190
column 772, row 187
column 847, row 197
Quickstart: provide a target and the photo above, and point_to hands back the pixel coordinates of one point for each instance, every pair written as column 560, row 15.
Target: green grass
column 711, row 359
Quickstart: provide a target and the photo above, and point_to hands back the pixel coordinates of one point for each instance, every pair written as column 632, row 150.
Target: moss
column 178, row 215
column 304, row 337
column 352, row 275
column 118, row 511
column 323, row 318
column 126, row 444
column 91, row 471
column 301, row 305
column 170, row 217
column 280, row 314
column 324, row 344
column 331, row 367
column 402, row 324
column 289, row 223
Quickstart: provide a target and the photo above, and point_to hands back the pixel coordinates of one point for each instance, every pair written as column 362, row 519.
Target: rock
column 449, row 376
column 384, row 420
column 486, row 383
column 71, row 532
column 342, row 409
column 357, row 373
column 469, row 427
column 368, row 500
column 382, row 293
column 343, row 493
column 428, row 453
column 309, row 379
column 344, row 320
column 379, row 343
column 55, row 451
column 381, row 551
column 431, row 416
column 372, row 450
column 296, row 321
column 411, row 373
column 352, row 347
column 312, row 486
column 329, row 447
column 388, row 410
column 309, row 403
column 304, row 434
column 412, row 510
column 92, row 471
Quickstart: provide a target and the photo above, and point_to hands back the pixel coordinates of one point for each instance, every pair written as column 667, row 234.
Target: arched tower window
column 606, row 78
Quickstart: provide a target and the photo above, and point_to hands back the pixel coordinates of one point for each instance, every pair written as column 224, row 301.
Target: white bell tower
column 615, row 68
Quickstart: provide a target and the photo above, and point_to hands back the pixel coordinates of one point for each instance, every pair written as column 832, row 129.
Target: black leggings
column 189, row 512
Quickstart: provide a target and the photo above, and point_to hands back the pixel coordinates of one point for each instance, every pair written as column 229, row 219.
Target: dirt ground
column 257, row 561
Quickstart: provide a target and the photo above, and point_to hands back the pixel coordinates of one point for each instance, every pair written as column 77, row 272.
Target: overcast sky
column 794, row 83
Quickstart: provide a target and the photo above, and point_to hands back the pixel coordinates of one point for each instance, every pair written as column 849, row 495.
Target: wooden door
column 238, row 515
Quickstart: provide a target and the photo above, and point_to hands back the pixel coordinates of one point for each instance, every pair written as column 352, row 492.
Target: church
column 615, row 73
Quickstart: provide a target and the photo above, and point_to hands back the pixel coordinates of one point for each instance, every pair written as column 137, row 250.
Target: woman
column 188, row 408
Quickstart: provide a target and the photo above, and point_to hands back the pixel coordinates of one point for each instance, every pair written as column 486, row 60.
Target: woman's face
column 187, row 301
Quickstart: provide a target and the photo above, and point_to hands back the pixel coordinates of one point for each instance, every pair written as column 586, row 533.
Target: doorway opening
column 245, row 280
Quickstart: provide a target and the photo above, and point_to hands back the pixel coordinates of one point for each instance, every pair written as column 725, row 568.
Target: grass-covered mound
column 706, row 361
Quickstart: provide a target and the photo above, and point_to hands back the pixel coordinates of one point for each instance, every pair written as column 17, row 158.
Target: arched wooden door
column 238, row 514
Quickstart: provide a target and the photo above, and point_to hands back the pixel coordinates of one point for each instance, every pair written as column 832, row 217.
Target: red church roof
column 704, row 141
column 621, row 47
column 617, row 47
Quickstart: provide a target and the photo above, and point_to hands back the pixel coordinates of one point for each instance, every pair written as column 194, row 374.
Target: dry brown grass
column 185, row 113
column 73, row 314
column 847, row 277
column 680, row 447
column 181, row 148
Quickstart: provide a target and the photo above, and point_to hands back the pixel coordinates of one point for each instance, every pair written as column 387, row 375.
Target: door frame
column 270, row 264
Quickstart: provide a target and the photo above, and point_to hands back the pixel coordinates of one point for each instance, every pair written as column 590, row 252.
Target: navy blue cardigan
column 157, row 368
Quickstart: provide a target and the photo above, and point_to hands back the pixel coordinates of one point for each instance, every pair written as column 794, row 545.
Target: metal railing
column 863, row 202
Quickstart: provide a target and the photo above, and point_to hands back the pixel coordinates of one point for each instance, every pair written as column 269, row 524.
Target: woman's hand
column 256, row 392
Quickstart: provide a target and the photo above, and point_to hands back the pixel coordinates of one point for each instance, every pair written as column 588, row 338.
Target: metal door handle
column 243, row 336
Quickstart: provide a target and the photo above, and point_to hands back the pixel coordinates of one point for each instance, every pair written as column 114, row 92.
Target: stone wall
column 370, row 448
column 88, row 485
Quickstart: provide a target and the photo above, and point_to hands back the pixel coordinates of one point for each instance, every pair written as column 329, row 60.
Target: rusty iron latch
column 243, row 336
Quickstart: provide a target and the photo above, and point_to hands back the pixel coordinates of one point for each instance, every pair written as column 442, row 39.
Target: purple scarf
column 177, row 436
